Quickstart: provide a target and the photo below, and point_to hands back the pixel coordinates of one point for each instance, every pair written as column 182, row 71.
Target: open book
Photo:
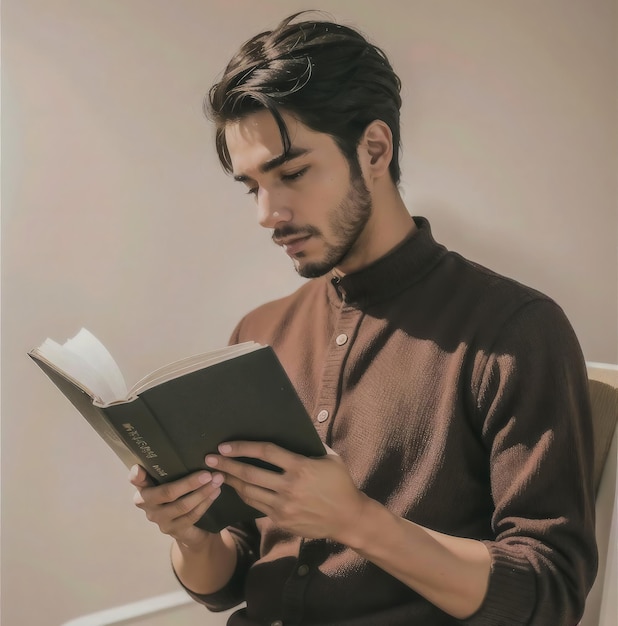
column 169, row 420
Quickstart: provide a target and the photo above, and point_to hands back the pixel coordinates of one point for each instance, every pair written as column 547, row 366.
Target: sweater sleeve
column 246, row 538
column 532, row 401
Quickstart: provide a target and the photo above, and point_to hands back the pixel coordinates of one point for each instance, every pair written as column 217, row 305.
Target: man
column 453, row 401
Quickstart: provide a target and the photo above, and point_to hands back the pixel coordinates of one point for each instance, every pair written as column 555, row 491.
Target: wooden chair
column 602, row 603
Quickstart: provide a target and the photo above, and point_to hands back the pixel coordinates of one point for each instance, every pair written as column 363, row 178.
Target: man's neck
column 389, row 224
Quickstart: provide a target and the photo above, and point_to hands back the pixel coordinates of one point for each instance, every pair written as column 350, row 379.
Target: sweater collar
column 392, row 273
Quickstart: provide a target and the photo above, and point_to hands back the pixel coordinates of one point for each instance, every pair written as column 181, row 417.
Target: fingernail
column 133, row 472
column 224, row 448
column 205, row 478
column 211, row 461
column 217, row 480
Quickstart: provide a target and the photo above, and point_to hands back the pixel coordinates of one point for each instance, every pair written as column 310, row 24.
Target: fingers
column 307, row 498
column 268, row 452
column 259, row 487
column 289, row 462
column 170, row 492
column 239, row 472
column 177, row 505
column 186, row 509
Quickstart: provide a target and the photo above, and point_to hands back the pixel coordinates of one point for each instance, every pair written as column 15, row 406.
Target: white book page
column 91, row 350
column 86, row 361
column 192, row 364
column 76, row 369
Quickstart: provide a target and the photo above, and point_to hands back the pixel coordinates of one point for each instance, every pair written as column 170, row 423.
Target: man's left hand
column 312, row 497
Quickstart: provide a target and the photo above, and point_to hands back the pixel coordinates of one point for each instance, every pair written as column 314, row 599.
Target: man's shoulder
column 481, row 307
column 488, row 287
column 262, row 322
column 494, row 309
column 308, row 291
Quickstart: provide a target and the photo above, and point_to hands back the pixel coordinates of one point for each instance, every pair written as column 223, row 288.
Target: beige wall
column 116, row 216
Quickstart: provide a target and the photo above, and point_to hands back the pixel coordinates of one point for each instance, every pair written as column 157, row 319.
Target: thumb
column 138, row 477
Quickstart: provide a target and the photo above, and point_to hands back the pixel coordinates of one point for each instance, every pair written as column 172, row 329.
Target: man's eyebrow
column 284, row 157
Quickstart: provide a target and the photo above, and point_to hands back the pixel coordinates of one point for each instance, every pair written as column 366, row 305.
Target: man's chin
column 312, row 270
column 315, row 269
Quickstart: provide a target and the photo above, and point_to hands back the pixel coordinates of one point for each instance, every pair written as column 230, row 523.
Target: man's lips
column 293, row 245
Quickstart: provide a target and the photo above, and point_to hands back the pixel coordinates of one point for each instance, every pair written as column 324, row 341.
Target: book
column 173, row 417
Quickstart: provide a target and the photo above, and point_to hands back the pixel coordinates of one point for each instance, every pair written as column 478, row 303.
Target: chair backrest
column 602, row 603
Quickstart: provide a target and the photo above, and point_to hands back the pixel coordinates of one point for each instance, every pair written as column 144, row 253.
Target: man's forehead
column 260, row 127
column 255, row 142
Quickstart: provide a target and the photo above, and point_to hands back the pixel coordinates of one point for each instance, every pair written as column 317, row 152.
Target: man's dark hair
column 326, row 75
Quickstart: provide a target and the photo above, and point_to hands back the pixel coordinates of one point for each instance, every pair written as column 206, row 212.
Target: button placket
column 309, row 555
column 335, row 358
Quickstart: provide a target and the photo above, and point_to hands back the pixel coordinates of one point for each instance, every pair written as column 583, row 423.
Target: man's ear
column 375, row 149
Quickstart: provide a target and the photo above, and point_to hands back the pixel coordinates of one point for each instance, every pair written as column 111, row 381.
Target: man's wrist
column 361, row 532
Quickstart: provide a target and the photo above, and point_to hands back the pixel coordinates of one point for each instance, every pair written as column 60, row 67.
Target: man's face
column 315, row 206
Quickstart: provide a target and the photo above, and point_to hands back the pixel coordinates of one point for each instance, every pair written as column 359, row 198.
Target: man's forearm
column 207, row 567
column 450, row 572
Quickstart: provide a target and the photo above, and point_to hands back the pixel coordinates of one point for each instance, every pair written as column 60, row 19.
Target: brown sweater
column 458, row 399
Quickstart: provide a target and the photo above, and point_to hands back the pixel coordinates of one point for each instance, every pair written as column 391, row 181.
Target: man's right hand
column 204, row 562
column 176, row 506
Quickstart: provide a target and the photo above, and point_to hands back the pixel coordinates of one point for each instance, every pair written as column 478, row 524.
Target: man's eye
column 252, row 191
column 295, row 175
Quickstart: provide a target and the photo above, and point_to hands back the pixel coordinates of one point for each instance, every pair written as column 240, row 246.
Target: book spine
column 141, row 432
column 98, row 420
column 94, row 415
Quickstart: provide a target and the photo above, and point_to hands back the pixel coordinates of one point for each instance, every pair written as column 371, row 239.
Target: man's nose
column 272, row 208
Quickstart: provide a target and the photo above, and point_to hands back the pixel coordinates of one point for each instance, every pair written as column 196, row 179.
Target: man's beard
column 346, row 223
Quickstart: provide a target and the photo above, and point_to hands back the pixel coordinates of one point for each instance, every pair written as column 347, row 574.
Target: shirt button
column 341, row 339
column 303, row 570
column 277, row 622
column 322, row 415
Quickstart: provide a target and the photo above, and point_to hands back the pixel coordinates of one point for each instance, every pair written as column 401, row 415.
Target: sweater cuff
column 221, row 600
column 511, row 587
column 232, row 594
